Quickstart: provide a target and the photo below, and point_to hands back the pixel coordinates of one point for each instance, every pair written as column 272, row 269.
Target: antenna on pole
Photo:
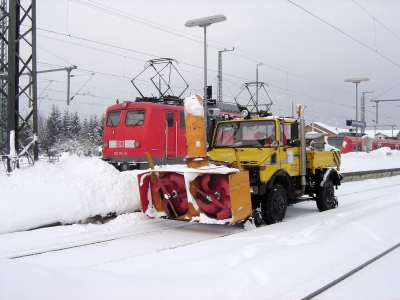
column 219, row 86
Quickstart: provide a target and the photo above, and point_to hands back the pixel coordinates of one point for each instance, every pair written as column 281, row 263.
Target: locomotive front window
column 134, row 118
column 113, row 119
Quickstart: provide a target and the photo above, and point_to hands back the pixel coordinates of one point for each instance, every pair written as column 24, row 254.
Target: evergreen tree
column 66, row 126
column 45, row 140
column 75, row 125
column 54, row 125
column 65, row 133
column 84, row 130
column 100, row 129
column 26, row 133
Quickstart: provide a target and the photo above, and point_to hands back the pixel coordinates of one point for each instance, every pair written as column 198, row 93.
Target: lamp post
column 363, row 109
column 205, row 22
column 257, row 85
column 377, row 102
column 356, row 81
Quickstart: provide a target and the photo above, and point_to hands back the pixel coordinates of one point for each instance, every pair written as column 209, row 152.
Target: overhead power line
column 253, row 58
column 346, row 34
column 377, row 20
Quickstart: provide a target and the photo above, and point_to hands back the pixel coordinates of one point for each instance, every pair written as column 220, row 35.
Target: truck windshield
column 245, row 134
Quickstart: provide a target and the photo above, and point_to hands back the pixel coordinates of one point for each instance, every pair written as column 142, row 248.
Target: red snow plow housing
column 208, row 195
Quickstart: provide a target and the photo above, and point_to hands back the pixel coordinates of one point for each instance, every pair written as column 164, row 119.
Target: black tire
column 124, row 167
column 274, row 207
column 326, row 196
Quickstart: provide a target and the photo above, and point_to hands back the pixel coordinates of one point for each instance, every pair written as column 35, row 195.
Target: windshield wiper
column 133, row 125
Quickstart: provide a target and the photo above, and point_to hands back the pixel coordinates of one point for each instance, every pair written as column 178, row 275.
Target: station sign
column 355, row 123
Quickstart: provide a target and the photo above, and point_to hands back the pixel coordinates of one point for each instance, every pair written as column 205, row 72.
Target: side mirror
column 294, row 130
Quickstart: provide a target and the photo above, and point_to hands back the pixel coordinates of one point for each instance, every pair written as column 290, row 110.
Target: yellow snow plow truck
column 253, row 169
column 284, row 166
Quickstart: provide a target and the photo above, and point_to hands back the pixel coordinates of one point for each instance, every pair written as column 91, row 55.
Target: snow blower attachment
column 196, row 191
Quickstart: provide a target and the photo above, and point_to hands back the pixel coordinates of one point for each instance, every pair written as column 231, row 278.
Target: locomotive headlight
column 105, row 144
column 245, row 113
column 136, row 143
column 123, row 104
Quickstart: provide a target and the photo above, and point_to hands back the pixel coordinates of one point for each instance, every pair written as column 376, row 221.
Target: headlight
column 245, row 113
column 254, row 190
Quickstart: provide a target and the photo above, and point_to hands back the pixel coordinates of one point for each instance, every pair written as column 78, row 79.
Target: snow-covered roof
column 369, row 132
column 329, row 128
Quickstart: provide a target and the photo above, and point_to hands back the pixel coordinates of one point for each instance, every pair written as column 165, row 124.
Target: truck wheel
column 274, row 208
column 326, row 196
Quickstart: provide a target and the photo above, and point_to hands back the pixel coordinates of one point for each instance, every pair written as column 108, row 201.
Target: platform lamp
column 205, row 22
column 356, row 81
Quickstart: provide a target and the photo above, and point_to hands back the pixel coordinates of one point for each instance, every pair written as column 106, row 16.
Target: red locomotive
column 155, row 125
column 133, row 128
column 348, row 143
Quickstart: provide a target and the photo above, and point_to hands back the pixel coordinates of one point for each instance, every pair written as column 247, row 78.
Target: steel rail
column 341, row 278
column 77, row 244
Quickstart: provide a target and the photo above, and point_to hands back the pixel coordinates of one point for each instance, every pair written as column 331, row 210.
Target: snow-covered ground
column 287, row 260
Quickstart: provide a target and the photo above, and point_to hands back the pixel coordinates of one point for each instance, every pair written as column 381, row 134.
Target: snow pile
column 193, row 106
column 383, row 158
column 73, row 190
column 77, row 188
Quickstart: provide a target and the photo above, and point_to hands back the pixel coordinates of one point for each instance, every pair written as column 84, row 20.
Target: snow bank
column 383, row 158
column 77, row 188
column 72, row 190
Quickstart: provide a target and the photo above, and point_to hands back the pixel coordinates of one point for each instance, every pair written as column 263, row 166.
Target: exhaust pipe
column 303, row 153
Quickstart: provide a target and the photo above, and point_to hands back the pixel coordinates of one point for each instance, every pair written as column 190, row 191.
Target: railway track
column 348, row 274
column 98, row 240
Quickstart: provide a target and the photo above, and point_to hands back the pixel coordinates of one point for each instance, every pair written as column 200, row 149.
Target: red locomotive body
column 133, row 128
column 348, row 143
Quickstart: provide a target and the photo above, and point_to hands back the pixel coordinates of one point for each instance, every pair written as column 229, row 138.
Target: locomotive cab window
column 182, row 119
column 134, row 118
column 170, row 119
column 113, row 119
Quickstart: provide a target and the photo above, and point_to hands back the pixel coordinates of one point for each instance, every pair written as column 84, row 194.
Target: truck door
column 171, row 131
column 290, row 156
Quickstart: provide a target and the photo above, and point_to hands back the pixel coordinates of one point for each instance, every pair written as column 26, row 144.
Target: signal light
column 209, row 91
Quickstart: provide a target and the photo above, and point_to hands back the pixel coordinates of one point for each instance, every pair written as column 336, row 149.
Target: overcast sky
column 307, row 48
